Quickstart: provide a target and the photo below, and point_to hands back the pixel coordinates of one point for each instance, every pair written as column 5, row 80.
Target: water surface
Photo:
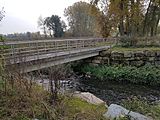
column 113, row 92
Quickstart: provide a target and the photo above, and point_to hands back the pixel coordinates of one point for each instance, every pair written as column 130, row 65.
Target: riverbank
column 25, row 100
column 135, row 88
column 145, row 75
column 33, row 102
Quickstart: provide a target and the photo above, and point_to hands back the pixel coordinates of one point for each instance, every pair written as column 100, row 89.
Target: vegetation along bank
column 149, row 75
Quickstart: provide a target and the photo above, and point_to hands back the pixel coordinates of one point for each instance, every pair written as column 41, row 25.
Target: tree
column 123, row 14
column 54, row 24
column 152, row 18
column 2, row 14
column 132, row 17
column 42, row 25
column 64, row 26
column 81, row 20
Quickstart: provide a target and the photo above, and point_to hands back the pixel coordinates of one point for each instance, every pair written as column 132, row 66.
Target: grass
column 124, row 49
column 141, row 106
column 23, row 101
column 108, row 43
column 76, row 109
column 19, row 102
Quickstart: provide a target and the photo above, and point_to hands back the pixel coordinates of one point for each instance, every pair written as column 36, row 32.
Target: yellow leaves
column 82, row 18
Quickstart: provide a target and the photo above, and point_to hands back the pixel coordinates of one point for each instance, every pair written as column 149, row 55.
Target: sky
column 22, row 15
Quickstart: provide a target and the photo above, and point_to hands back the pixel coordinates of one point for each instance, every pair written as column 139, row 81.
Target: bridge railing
column 19, row 49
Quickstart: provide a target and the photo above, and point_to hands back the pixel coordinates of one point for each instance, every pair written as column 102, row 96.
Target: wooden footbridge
column 28, row 56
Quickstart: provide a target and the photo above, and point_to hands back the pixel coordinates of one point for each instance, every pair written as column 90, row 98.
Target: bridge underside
column 32, row 63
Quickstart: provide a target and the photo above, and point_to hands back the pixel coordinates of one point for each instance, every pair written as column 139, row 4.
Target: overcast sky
column 22, row 15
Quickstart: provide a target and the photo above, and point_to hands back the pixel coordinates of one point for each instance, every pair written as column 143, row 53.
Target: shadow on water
column 113, row 92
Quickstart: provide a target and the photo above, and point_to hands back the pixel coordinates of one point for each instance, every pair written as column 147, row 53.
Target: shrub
column 139, row 41
column 149, row 75
column 24, row 101
column 128, row 41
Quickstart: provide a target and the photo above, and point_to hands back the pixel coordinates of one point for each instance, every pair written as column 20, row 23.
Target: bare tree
column 2, row 13
column 42, row 25
column 56, row 74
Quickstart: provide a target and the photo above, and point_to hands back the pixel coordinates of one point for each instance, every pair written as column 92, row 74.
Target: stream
column 113, row 92
column 110, row 92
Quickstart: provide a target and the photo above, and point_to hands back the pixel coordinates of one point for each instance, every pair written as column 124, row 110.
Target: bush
column 20, row 102
column 139, row 41
column 149, row 75
column 25, row 101
column 128, row 41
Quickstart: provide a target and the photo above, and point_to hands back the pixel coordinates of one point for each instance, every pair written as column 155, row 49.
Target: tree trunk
column 51, row 77
column 146, row 18
column 121, row 25
column 44, row 31
column 132, row 26
column 51, row 90
column 153, row 20
column 156, row 27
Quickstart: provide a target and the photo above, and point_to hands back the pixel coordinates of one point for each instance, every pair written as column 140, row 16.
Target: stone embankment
column 133, row 58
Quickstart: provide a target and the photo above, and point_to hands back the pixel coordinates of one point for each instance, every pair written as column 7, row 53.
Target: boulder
column 117, row 55
column 137, row 63
column 96, row 61
column 116, row 111
column 93, row 64
column 139, row 54
column 128, row 54
column 90, row 98
column 158, row 53
column 105, row 53
column 98, row 58
column 150, row 53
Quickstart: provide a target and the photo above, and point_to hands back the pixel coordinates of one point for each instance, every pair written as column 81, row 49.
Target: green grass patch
column 76, row 108
column 141, row 106
column 4, row 47
column 123, row 49
column 108, row 43
column 149, row 75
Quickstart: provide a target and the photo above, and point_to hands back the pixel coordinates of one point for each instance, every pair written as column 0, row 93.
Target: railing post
column 37, row 50
column 67, row 44
column 76, row 44
column 83, row 43
column 56, row 47
column 45, row 50
column 13, row 53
